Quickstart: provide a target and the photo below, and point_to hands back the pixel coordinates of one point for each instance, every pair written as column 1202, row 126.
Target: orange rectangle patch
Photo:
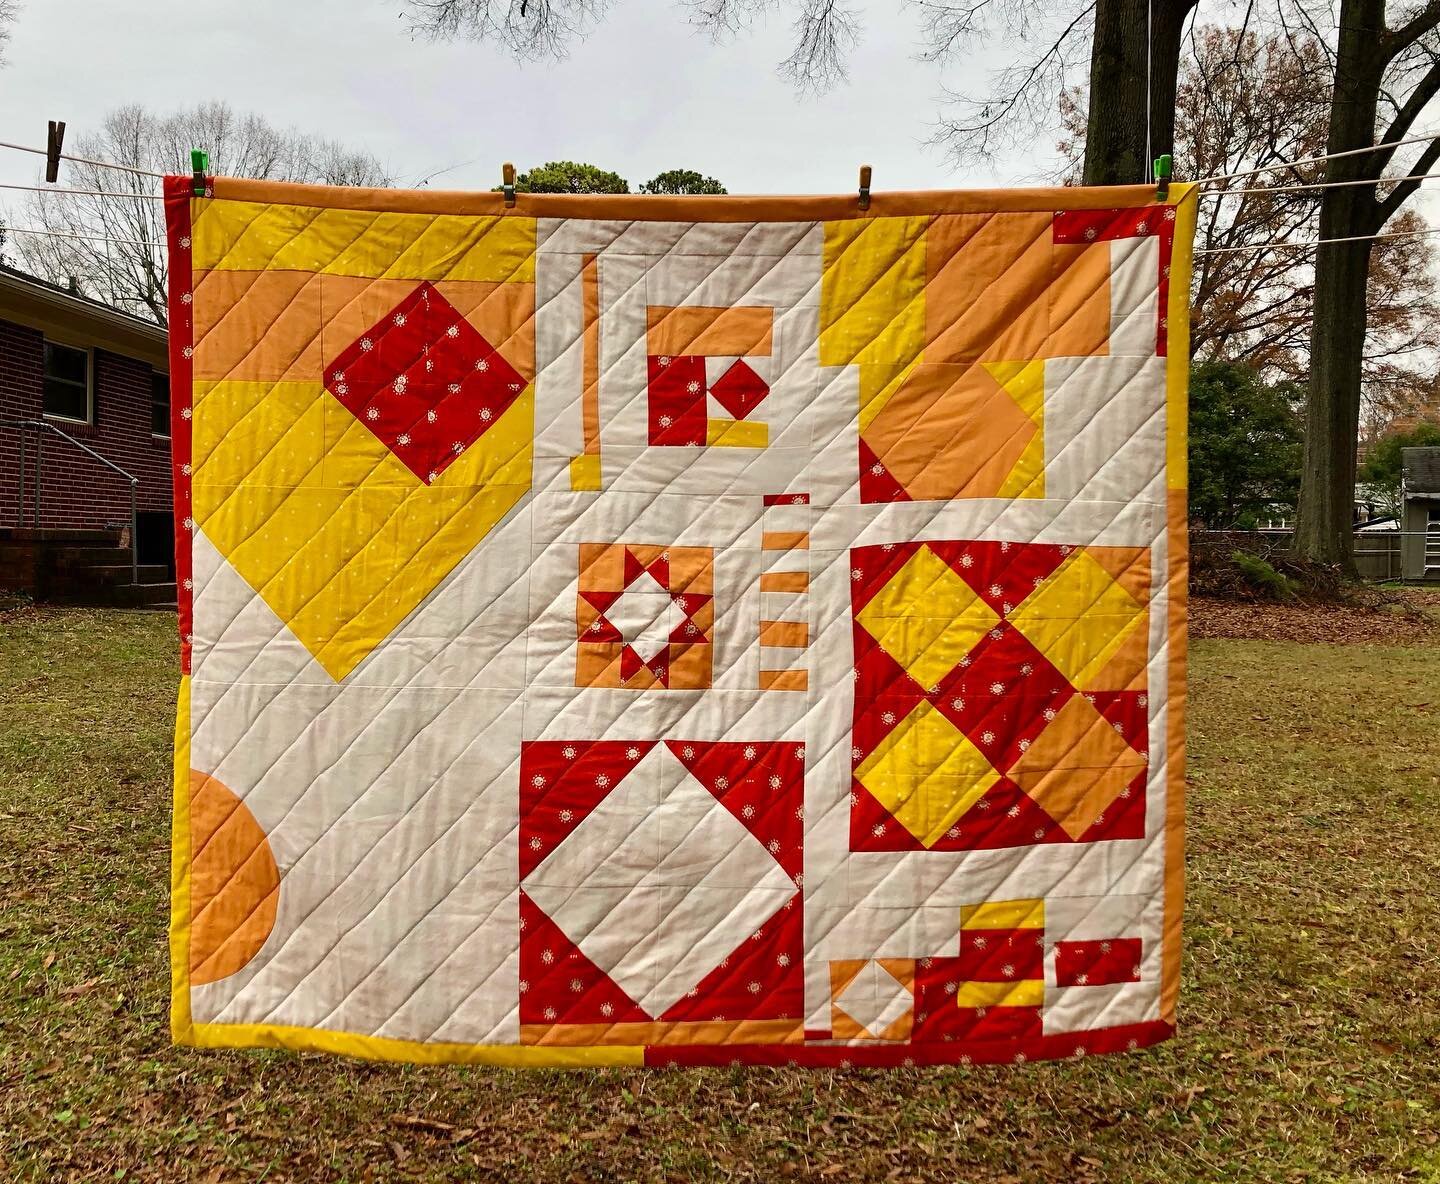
column 791, row 634
column 784, row 680
column 714, row 332
column 785, row 581
column 785, row 540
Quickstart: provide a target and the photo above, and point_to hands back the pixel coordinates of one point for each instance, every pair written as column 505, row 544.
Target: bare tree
column 531, row 30
column 1130, row 49
column 112, row 247
column 9, row 10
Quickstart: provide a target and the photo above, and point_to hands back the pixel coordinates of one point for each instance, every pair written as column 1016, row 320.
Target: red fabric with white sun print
column 425, row 381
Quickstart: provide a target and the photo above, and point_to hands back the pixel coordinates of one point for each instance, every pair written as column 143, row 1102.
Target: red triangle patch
column 559, row 984
column 762, row 978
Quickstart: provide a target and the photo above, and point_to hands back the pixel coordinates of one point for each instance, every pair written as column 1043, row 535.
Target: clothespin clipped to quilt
column 864, row 186
column 53, row 144
column 199, row 166
column 1162, row 177
column 507, row 172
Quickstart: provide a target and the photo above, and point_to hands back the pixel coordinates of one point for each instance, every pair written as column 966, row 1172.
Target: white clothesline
column 85, row 192
column 1317, row 242
column 1289, row 164
column 1319, row 185
column 104, row 164
column 93, row 238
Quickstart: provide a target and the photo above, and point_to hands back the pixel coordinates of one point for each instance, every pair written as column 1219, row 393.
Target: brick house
column 76, row 374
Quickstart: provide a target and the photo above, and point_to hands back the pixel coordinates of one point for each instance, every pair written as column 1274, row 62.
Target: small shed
column 1420, row 515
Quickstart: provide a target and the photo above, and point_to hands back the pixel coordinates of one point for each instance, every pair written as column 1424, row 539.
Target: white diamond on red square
column 424, row 381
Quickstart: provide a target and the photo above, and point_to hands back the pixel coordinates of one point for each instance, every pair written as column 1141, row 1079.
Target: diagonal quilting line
column 986, row 344
column 281, row 627
column 366, row 855
column 925, row 430
column 198, row 339
column 397, row 942
column 1111, row 846
column 841, row 621
column 261, row 337
column 1157, row 408
column 1107, row 282
column 837, row 625
column 271, row 703
column 1087, row 612
column 903, row 310
column 358, row 489
column 323, row 321
column 298, row 924
column 318, row 273
column 701, row 885
column 490, row 975
column 642, row 284
column 201, row 223
column 219, row 263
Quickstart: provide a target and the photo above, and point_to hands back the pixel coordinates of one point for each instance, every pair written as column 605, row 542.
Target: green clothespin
column 1162, row 177
column 200, row 165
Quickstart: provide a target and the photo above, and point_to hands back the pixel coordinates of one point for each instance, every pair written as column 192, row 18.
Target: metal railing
column 40, row 427
column 1380, row 555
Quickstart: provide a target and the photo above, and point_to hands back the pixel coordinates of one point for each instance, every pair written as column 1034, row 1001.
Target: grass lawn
column 1310, row 1015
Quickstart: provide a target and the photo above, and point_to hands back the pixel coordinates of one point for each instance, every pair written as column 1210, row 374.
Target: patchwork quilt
column 646, row 630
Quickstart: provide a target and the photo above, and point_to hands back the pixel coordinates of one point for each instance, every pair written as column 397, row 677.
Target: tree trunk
column 1324, row 526
column 1119, row 147
column 1325, row 521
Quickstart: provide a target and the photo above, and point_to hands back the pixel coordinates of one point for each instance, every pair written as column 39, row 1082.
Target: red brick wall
column 75, row 489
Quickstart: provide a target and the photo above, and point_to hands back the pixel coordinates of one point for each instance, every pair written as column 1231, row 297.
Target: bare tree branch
column 825, row 33
column 529, row 30
column 1023, row 97
column 1414, row 28
column 130, row 271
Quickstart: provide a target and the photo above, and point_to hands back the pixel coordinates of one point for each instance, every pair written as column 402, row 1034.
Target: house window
column 67, row 383
column 159, row 403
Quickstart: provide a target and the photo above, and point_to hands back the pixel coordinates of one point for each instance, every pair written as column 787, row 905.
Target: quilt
column 649, row 630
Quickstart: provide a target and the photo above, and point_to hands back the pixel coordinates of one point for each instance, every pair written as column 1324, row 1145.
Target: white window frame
column 89, row 352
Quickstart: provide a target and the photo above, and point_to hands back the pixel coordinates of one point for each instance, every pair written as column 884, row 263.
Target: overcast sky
column 642, row 94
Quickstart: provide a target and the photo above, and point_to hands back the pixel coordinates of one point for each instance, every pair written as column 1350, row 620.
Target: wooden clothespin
column 864, row 186
column 199, row 166
column 1163, row 168
column 507, row 172
column 52, row 151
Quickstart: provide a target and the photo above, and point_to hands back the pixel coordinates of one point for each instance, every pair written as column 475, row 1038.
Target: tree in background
column 1244, row 102
column 1128, row 49
column 1386, row 74
column 566, row 176
column 9, row 10
column 1245, row 445
column 126, row 267
column 682, row 181
column 1382, row 467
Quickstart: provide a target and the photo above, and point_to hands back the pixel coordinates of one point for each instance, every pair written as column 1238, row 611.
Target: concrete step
column 144, row 595
column 51, row 534
column 117, row 574
column 77, row 557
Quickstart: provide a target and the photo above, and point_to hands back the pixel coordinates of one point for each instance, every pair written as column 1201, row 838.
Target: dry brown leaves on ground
column 1404, row 616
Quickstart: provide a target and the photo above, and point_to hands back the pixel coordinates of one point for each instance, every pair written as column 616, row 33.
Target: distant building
column 80, row 381
column 1420, row 502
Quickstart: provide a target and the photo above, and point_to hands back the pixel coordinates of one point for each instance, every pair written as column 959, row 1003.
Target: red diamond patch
column 739, row 390
column 425, row 382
